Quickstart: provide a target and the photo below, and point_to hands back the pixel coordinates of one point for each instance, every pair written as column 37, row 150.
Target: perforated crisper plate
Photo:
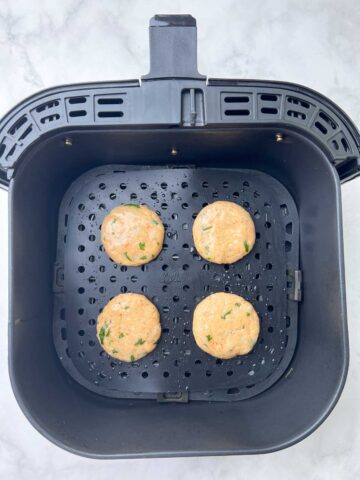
column 86, row 279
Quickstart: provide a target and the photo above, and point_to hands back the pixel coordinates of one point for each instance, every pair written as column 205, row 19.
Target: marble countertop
column 314, row 43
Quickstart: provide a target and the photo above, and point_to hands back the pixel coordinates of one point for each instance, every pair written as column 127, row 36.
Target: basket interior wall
column 96, row 425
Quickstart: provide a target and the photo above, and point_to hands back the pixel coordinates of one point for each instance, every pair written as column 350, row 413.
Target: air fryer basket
column 176, row 142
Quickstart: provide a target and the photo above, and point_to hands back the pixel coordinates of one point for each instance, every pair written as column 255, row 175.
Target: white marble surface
column 45, row 43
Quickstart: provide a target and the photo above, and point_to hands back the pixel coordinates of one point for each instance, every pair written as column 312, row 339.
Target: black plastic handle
column 173, row 48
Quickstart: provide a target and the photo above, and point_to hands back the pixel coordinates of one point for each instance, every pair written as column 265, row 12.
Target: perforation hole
column 233, row 391
column 288, row 246
column 268, row 266
column 166, row 374
column 288, row 228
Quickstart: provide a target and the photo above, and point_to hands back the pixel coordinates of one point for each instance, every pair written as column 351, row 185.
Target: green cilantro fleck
column 140, row 342
column 107, row 332
column 246, row 245
column 142, row 245
column 126, row 307
column 209, row 337
column 131, row 205
column 152, row 256
column 226, row 314
column 102, row 335
column 127, row 256
column 207, row 248
column 154, row 222
column 132, row 358
column 144, row 257
column 114, row 220
column 238, row 304
column 122, row 335
column 115, row 351
column 204, row 229
column 248, row 314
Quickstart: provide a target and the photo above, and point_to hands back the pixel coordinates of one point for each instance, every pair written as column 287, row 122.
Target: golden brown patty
column 129, row 327
column 132, row 234
column 223, row 232
column 225, row 325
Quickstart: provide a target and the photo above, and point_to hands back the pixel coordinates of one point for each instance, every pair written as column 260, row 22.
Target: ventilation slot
column 2, row 149
column 50, row 118
column 47, row 106
column 298, row 110
column 236, row 105
column 328, row 120
column 324, row 124
column 345, row 144
column 110, row 101
column 237, row 99
column 268, row 98
column 299, row 102
column 77, row 100
column 47, row 114
column 78, row 113
column 17, row 125
column 295, row 114
column 26, row 133
column 237, row 112
column 107, row 108
column 110, row 114
column 268, row 105
column 339, row 145
column 321, row 128
column 78, row 109
column 268, row 110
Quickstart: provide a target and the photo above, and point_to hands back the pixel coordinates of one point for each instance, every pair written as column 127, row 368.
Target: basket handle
column 173, row 48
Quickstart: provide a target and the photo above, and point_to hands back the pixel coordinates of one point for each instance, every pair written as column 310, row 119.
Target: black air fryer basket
column 177, row 141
